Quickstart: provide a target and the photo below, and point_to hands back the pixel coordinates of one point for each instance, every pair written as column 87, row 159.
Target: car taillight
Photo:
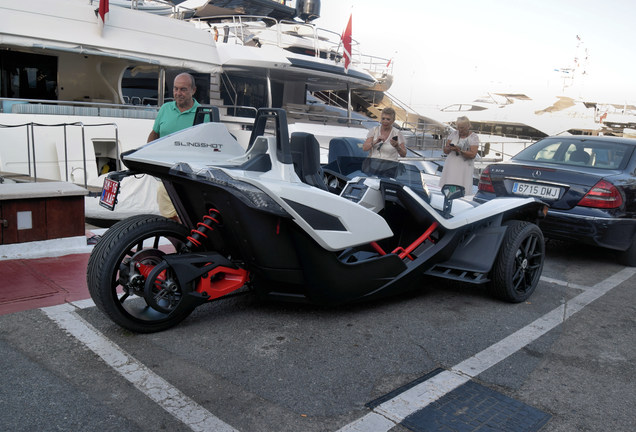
column 602, row 195
column 485, row 184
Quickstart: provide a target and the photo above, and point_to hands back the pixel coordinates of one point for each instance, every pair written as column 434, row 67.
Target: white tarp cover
column 198, row 146
column 137, row 195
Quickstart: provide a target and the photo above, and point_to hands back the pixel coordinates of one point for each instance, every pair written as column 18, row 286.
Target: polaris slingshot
column 271, row 220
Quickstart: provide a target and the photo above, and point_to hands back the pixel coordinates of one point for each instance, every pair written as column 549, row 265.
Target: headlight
column 246, row 192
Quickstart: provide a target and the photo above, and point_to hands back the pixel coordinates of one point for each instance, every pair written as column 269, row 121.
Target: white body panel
column 362, row 225
column 281, row 183
column 198, row 146
column 361, row 221
column 464, row 214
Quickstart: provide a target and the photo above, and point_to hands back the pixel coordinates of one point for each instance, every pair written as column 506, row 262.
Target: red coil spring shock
column 200, row 233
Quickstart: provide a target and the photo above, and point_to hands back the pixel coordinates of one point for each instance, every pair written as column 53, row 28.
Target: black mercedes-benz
column 589, row 183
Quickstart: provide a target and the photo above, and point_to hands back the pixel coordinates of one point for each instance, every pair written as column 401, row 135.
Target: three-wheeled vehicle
column 271, row 220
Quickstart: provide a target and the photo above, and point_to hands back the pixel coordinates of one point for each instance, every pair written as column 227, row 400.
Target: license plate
column 536, row 190
column 109, row 194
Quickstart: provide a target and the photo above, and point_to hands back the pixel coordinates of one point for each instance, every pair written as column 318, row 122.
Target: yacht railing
column 324, row 41
column 236, row 29
column 423, row 136
column 489, row 151
column 169, row 9
column 331, row 98
column 499, row 150
column 324, row 118
column 240, row 111
column 80, row 108
column 31, row 145
column 251, row 29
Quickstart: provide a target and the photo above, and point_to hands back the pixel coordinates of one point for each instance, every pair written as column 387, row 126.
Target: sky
column 452, row 51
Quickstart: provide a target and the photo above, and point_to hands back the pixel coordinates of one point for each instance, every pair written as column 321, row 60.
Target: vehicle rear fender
column 531, row 212
column 505, row 206
column 477, row 250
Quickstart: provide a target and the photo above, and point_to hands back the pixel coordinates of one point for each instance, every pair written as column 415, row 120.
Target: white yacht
column 159, row 7
column 508, row 122
column 74, row 96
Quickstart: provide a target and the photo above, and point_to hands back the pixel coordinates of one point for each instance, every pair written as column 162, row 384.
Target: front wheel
column 519, row 263
column 130, row 252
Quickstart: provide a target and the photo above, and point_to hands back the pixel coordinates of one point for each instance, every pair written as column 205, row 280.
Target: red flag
column 346, row 43
column 103, row 14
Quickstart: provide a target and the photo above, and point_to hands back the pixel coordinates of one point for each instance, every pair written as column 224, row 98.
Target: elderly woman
column 461, row 148
column 385, row 141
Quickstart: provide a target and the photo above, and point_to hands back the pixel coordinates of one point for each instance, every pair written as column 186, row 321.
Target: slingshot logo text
column 213, row 146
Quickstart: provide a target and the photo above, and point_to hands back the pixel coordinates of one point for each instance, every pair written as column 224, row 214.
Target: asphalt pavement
column 445, row 357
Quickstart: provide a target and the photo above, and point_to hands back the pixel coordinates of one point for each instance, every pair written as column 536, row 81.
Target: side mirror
column 450, row 193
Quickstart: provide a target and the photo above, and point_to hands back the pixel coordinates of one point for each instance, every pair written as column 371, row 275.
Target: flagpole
column 349, row 103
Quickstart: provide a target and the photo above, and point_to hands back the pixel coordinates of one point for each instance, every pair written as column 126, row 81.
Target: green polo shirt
column 170, row 119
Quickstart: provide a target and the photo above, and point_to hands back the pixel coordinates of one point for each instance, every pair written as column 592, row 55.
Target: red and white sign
column 109, row 194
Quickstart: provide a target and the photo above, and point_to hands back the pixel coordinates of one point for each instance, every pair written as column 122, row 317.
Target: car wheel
column 628, row 257
column 116, row 280
column 519, row 264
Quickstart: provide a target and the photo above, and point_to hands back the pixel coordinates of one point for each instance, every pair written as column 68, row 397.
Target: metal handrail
column 329, row 95
column 240, row 107
column 327, row 116
column 31, row 144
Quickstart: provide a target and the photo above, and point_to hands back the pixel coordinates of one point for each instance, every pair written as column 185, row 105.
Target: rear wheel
column 519, row 264
column 130, row 252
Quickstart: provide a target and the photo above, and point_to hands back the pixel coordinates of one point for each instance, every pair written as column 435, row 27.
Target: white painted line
column 83, row 304
column 156, row 388
column 564, row 283
column 370, row 422
column 416, row 398
column 397, row 409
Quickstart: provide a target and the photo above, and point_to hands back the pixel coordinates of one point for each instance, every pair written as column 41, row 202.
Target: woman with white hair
column 461, row 148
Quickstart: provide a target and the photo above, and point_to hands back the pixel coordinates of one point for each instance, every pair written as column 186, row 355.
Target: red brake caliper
column 145, row 270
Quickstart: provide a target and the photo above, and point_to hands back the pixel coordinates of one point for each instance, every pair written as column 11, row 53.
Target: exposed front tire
column 119, row 265
column 519, row 263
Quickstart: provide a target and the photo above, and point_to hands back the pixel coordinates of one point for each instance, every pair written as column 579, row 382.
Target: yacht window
column 242, row 91
column 28, row 76
column 140, row 87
